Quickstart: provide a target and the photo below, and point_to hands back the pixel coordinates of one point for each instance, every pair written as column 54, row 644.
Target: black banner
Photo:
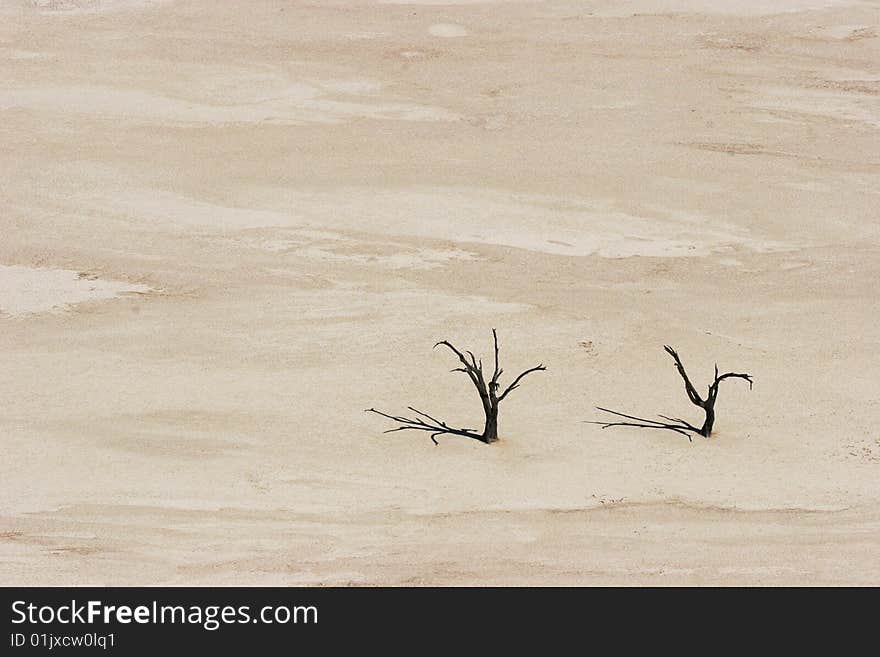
column 127, row 621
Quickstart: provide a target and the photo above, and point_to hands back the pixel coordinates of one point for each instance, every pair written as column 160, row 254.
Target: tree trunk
column 490, row 431
column 706, row 429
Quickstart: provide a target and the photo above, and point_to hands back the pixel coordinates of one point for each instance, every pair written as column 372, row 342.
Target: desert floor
column 229, row 228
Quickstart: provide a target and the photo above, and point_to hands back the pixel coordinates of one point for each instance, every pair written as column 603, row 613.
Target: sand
column 228, row 230
column 29, row 291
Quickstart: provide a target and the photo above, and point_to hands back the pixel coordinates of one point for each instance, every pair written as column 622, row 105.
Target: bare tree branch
column 515, row 384
column 645, row 423
column 468, row 369
column 728, row 375
column 498, row 370
column 434, row 427
column 692, row 393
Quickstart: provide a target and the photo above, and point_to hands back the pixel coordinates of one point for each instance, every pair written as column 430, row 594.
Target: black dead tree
column 675, row 423
column 489, row 397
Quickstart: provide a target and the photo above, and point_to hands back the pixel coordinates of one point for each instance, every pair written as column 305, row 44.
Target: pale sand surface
column 228, row 228
column 28, row 290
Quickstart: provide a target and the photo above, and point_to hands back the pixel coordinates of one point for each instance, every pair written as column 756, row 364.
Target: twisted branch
column 515, row 384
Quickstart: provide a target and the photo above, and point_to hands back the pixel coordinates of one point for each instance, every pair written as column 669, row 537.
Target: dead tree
column 675, row 423
column 489, row 397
